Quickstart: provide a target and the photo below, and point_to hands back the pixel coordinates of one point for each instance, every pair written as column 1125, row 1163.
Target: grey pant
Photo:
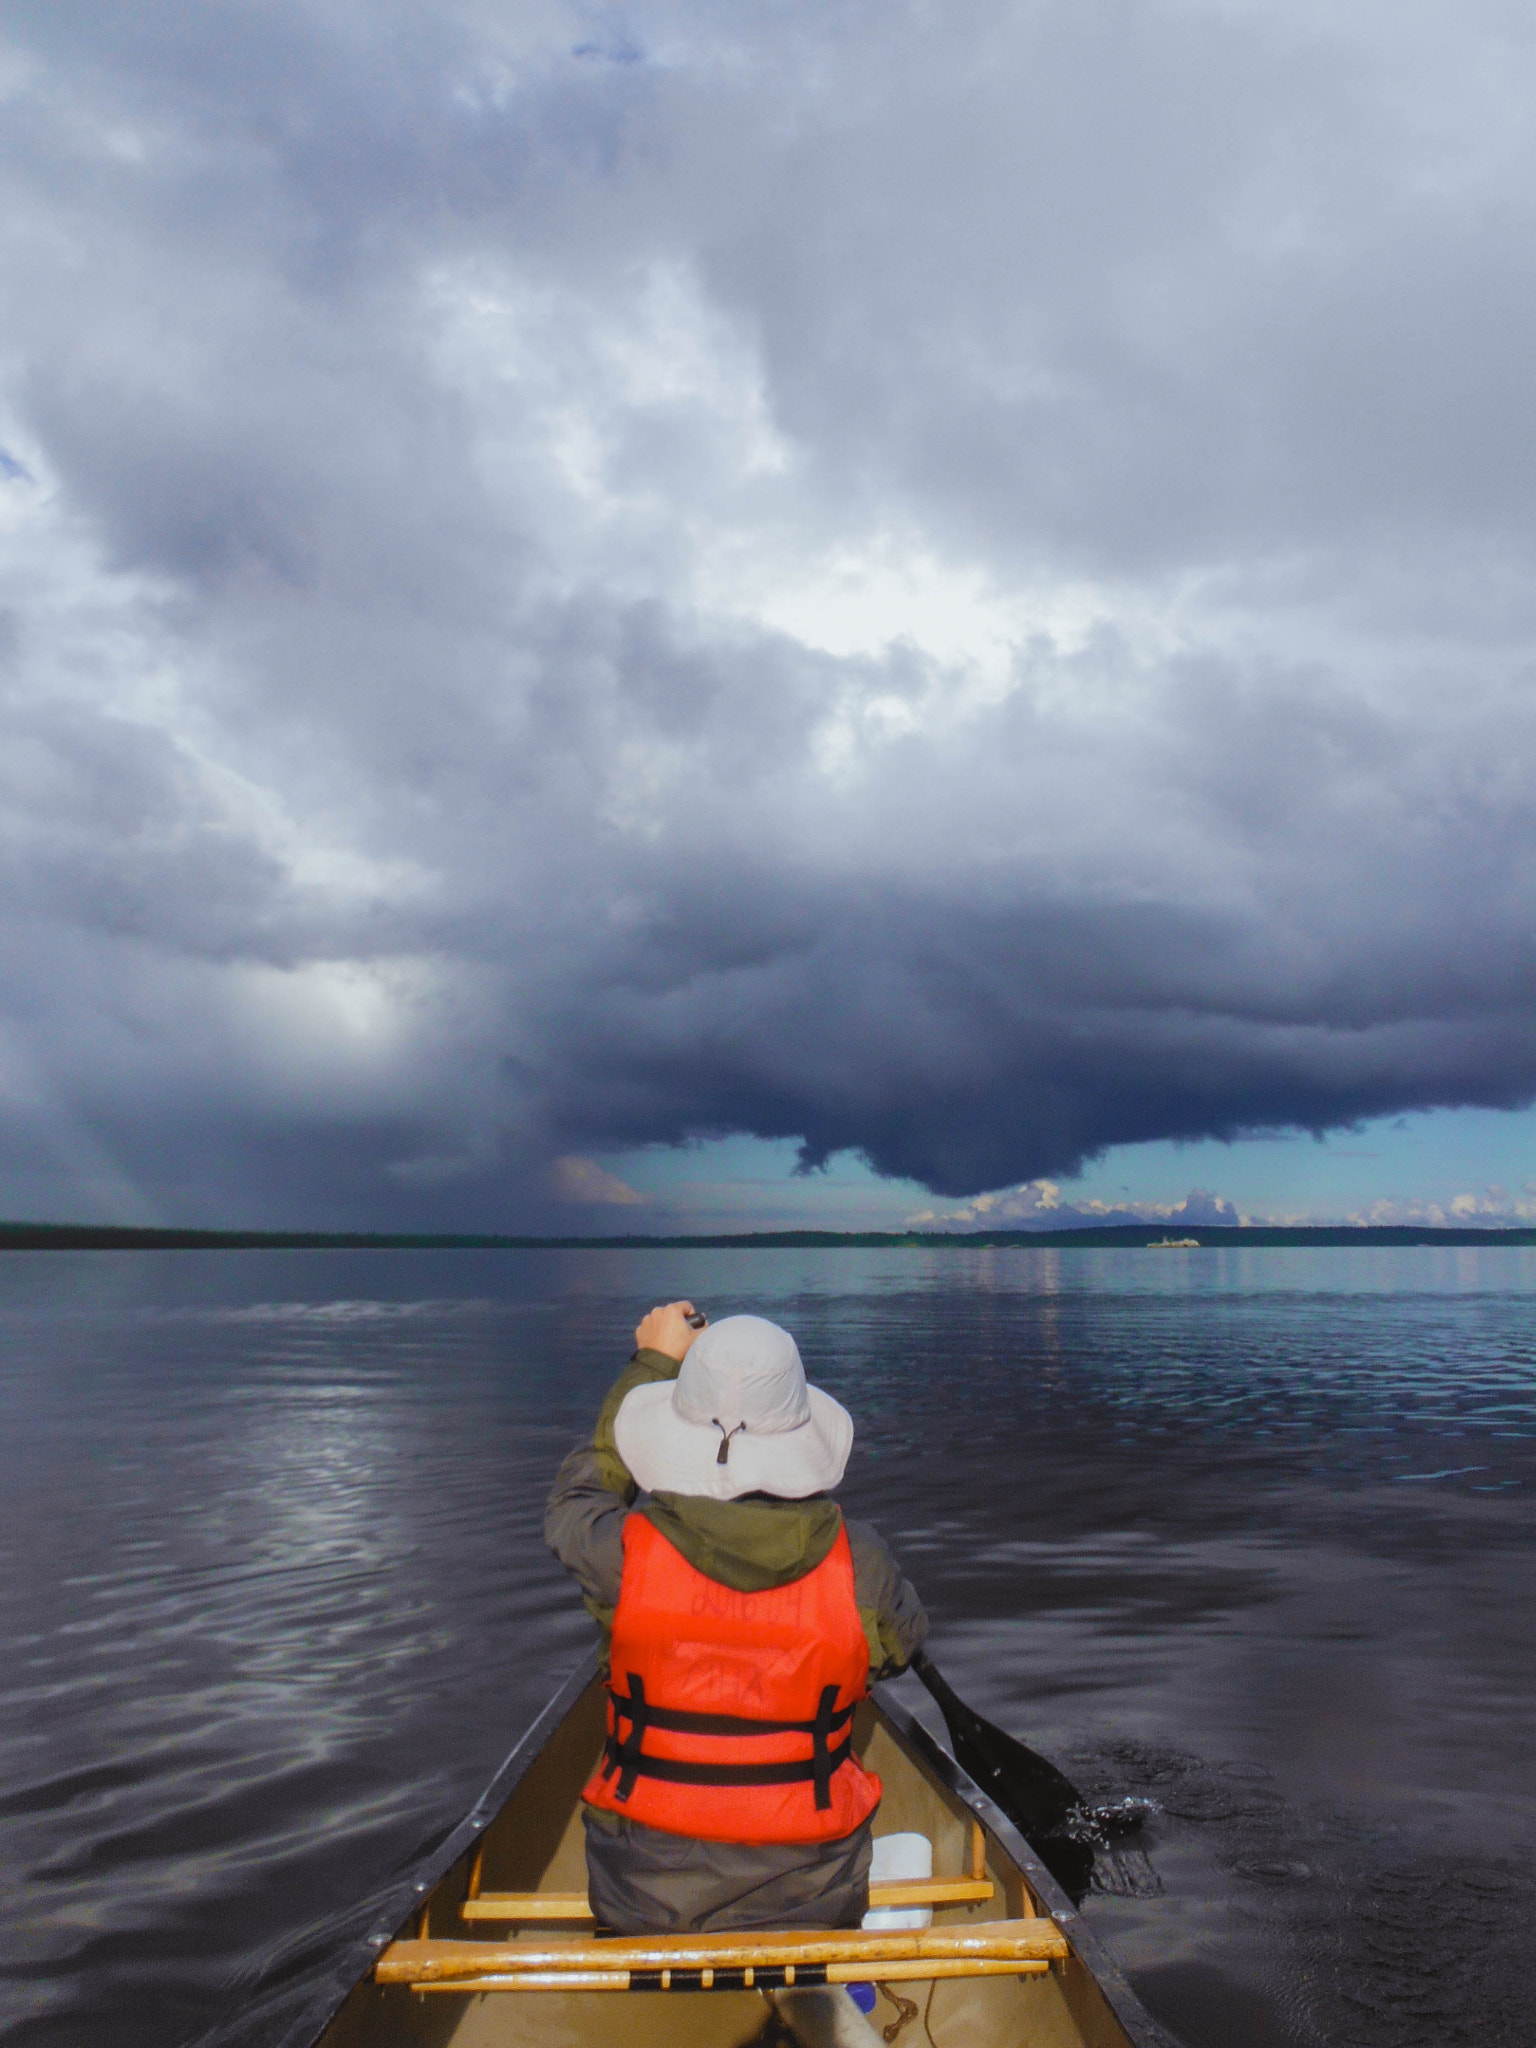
column 642, row 1880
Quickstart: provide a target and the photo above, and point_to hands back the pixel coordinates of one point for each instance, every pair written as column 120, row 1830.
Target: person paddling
column 747, row 1619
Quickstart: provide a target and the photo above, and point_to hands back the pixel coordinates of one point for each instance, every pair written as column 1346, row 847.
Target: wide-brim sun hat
column 739, row 1418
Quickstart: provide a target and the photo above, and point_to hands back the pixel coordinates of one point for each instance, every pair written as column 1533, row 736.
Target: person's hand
column 667, row 1330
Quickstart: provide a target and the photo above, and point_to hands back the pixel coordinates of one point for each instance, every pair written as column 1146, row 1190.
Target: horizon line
column 30, row 1236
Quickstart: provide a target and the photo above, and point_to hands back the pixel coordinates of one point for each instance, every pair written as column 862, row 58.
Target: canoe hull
column 525, row 1836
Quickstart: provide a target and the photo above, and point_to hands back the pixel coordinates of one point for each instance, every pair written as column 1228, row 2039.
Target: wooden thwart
column 527, row 1906
column 1000, row 1944
column 830, row 1973
column 916, row 1891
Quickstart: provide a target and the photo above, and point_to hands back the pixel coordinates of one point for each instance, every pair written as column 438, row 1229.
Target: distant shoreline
column 95, row 1237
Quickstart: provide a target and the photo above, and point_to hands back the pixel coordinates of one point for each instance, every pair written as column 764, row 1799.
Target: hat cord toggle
column 722, row 1456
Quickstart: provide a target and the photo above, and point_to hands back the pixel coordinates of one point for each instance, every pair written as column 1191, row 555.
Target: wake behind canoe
column 500, row 1949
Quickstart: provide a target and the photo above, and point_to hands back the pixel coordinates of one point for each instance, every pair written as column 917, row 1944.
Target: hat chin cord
column 722, row 1456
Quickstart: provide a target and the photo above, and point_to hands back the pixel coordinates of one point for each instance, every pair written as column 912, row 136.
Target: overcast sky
column 951, row 588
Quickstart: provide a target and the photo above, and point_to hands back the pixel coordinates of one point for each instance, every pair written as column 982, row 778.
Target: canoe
column 491, row 1945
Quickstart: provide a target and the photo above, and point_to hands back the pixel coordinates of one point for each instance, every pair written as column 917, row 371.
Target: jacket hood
column 748, row 1544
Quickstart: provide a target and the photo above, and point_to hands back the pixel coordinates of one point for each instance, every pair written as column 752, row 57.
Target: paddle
column 1042, row 1804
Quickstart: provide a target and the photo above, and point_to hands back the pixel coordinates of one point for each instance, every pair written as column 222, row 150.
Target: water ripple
column 275, row 1602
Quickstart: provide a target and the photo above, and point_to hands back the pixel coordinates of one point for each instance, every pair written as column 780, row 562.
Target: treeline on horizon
column 115, row 1237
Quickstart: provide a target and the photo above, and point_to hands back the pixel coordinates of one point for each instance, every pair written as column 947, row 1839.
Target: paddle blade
column 1041, row 1802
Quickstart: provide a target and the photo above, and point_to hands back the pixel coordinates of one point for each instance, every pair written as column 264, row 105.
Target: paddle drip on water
column 1041, row 1801
column 1121, row 1869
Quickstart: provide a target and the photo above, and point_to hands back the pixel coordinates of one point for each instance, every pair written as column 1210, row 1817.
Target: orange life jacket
column 730, row 1714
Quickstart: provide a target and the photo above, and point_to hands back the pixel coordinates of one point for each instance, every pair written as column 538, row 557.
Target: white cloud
column 1491, row 1208
column 1040, row 1205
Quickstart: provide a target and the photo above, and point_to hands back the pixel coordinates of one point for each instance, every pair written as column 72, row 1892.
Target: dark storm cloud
column 441, row 442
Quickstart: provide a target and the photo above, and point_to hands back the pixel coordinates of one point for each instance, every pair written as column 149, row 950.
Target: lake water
column 1246, row 1533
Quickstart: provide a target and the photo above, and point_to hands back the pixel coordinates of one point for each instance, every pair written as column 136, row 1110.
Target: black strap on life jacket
column 624, row 1753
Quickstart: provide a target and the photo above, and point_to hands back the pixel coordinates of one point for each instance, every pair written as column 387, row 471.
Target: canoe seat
column 771, row 1960
column 529, row 1906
